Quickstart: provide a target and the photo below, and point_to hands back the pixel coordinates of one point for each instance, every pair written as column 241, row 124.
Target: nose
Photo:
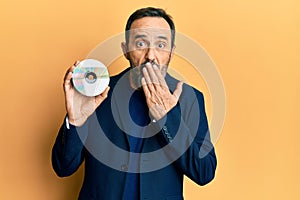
column 150, row 54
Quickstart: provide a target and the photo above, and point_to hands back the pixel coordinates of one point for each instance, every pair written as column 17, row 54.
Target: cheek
column 137, row 57
column 163, row 57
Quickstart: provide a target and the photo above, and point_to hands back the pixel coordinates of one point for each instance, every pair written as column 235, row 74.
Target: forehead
column 150, row 26
column 150, row 22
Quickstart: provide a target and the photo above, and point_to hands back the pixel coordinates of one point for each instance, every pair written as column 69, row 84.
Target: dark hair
column 150, row 12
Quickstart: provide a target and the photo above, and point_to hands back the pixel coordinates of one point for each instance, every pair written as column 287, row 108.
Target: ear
column 125, row 50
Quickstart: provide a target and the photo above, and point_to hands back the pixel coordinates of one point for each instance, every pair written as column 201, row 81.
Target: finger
column 145, row 88
column 160, row 77
column 177, row 92
column 146, row 75
column 152, row 74
column 71, row 69
column 67, row 82
column 148, row 80
column 105, row 92
column 76, row 63
column 68, row 77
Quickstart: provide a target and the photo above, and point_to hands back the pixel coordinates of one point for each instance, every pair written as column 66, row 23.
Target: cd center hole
column 91, row 77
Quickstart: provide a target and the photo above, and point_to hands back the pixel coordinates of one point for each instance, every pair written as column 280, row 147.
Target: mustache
column 138, row 69
column 144, row 64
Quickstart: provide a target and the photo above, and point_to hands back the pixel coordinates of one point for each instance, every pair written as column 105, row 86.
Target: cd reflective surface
column 90, row 77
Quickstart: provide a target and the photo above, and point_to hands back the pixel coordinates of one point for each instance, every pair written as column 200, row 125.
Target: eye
column 161, row 45
column 141, row 44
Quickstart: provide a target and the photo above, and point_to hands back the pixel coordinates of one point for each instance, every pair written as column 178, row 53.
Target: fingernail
column 76, row 63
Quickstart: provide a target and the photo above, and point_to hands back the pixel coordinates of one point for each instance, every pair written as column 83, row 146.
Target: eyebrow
column 144, row 36
column 162, row 37
column 139, row 36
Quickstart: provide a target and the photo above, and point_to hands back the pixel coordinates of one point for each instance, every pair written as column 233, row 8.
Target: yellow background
column 255, row 45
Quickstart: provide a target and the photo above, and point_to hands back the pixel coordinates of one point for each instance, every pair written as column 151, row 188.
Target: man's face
column 149, row 41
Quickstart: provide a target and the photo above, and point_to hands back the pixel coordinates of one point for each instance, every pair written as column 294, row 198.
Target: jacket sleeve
column 187, row 136
column 67, row 151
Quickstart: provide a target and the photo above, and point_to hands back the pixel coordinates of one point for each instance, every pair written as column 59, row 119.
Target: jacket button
column 124, row 167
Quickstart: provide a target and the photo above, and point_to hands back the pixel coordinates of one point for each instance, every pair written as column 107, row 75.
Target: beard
column 136, row 75
column 136, row 72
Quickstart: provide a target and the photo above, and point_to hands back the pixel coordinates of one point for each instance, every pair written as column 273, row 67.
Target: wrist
column 76, row 121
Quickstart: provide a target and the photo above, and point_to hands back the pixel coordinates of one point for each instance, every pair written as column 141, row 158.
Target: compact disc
column 90, row 77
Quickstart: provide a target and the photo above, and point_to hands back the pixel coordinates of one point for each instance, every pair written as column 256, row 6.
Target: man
column 145, row 131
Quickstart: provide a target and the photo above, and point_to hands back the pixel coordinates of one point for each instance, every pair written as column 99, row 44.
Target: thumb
column 102, row 96
column 178, row 90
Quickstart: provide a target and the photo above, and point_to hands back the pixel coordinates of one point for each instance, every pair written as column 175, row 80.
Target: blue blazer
column 177, row 145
